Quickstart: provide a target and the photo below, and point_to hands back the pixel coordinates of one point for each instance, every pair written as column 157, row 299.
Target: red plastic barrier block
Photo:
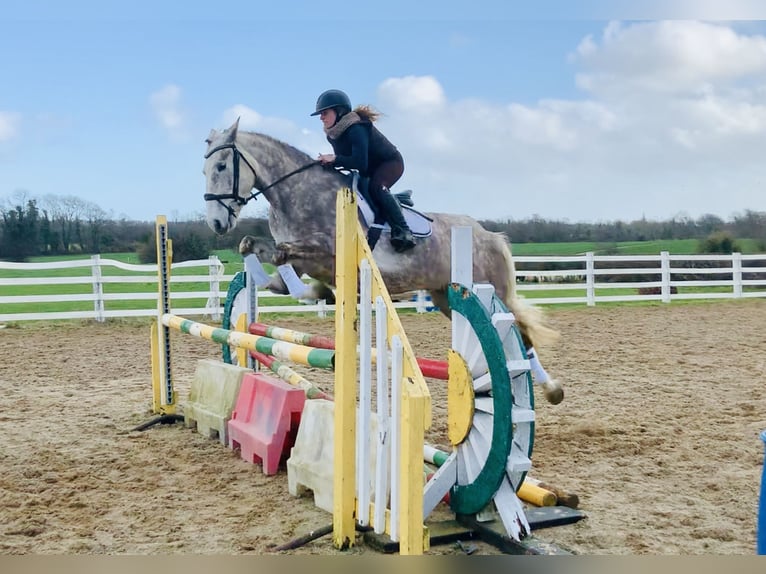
column 265, row 420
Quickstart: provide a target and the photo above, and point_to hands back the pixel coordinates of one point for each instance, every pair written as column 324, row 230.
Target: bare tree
column 67, row 214
column 96, row 219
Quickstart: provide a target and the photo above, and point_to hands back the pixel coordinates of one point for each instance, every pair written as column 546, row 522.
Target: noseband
column 234, row 195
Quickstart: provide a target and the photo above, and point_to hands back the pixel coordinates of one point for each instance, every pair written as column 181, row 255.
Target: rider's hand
column 326, row 158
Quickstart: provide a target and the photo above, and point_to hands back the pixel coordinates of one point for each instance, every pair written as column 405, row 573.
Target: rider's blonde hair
column 367, row 113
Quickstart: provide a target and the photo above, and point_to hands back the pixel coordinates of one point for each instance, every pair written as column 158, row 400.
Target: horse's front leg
column 315, row 290
column 248, row 246
column 286, row 255
column 277, row 285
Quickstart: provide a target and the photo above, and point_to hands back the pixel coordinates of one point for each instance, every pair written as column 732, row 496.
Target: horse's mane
column 280, row 152
column 292, row 153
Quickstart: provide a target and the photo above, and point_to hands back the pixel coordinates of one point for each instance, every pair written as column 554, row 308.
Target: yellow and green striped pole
column 320, row 358
column 292, row 336
column 286, row 373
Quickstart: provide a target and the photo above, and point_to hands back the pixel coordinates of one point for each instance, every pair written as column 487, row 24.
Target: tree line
column 58, row 225
column 750, row 225
column 63, row 225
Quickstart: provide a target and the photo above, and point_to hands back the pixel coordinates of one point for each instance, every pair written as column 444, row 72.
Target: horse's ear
column 211, row 136
column 230, row 135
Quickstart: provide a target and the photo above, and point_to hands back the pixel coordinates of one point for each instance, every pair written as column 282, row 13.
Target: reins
column 284, row 177
column 249, row 160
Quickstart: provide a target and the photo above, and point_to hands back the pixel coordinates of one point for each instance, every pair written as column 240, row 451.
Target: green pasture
column 673, row 246
column 231, row 260
column 233, row 263
column 618, row 291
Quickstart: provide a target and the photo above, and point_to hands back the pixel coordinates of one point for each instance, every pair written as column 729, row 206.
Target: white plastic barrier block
column 212, row 397
column 310, row 466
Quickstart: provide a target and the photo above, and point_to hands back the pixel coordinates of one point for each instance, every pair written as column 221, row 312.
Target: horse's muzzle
column 219, row 228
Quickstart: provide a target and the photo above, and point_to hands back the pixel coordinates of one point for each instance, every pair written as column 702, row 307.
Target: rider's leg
column 376, row 226
column 381, row 180
column 401, row 235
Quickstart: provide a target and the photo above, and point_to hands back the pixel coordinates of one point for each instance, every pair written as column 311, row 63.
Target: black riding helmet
column 333, row 99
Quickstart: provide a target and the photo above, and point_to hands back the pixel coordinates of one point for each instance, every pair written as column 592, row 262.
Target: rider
column 359, row 145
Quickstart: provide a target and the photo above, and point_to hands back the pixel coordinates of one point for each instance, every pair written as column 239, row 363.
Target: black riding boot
column 401, row 236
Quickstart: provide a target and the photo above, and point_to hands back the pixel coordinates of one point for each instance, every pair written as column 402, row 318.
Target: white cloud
column 674, row 122
column 677, row 9
column 166, row 105
column 9, row 125
column 249, row 119
column 412, row 93
column 667, row 57
column 308, row 141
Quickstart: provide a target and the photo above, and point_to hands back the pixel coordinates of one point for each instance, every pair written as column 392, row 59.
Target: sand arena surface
column 658, row 435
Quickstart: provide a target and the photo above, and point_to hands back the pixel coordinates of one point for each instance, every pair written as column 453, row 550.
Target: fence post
column 590, row 279
column 322, row 313
column 98, row 288
column 214, row 301
column 420, row 301
column 736, row 275
column 761, row 527
column 665, row 275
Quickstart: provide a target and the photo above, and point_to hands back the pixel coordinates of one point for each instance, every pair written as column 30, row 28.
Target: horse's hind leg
column 439, row 299
column 552, row 389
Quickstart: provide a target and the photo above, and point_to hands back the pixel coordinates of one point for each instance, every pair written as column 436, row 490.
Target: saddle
column 419, row 223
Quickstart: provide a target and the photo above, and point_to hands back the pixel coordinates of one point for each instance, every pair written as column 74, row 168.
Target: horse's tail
column 530, row 319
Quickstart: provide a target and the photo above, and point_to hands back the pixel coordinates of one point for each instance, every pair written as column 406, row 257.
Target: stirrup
column 373, row 234
column 403, row 243
column 405, row 247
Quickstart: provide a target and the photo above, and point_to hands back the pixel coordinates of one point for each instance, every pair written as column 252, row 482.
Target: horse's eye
column 221, row 166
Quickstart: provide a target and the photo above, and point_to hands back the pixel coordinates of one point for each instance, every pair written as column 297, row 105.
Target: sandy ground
column 658, row 435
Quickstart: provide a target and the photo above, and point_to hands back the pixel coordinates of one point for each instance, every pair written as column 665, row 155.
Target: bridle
column 249, row 161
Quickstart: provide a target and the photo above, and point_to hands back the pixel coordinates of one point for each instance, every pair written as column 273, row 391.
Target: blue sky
column 585, row 111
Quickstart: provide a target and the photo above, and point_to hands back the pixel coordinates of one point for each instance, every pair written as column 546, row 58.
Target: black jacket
column 362, row 147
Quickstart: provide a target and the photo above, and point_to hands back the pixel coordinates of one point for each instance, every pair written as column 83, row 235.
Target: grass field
column 673, row 246
column 233, row 263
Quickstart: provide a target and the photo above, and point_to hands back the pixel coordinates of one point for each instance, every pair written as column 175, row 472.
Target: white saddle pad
column 420, row 224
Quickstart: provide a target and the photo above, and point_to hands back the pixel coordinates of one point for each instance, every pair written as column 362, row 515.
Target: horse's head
column 230, row 178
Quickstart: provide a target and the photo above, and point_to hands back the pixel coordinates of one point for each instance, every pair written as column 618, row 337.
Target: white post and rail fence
column 101, row 288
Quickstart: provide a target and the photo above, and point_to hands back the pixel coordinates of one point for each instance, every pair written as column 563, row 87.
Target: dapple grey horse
column 302, row 196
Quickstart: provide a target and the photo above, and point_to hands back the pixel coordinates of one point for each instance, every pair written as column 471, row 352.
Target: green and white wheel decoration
column 494, row 455
column 235, row 306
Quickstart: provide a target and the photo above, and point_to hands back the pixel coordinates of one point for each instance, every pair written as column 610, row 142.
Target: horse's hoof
column 553, row 391
column 320, row 291
column 246, row 245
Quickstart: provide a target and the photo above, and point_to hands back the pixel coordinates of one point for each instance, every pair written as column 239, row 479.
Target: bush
column 146, row 250
column 187, row 246
column 721, row 242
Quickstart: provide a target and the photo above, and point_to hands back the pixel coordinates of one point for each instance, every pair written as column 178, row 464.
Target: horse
column 302, row 196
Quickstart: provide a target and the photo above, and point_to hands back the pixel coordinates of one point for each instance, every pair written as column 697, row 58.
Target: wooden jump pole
column 432, row 368
column 301, row 354
column 286, row 373
column 163, row 395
